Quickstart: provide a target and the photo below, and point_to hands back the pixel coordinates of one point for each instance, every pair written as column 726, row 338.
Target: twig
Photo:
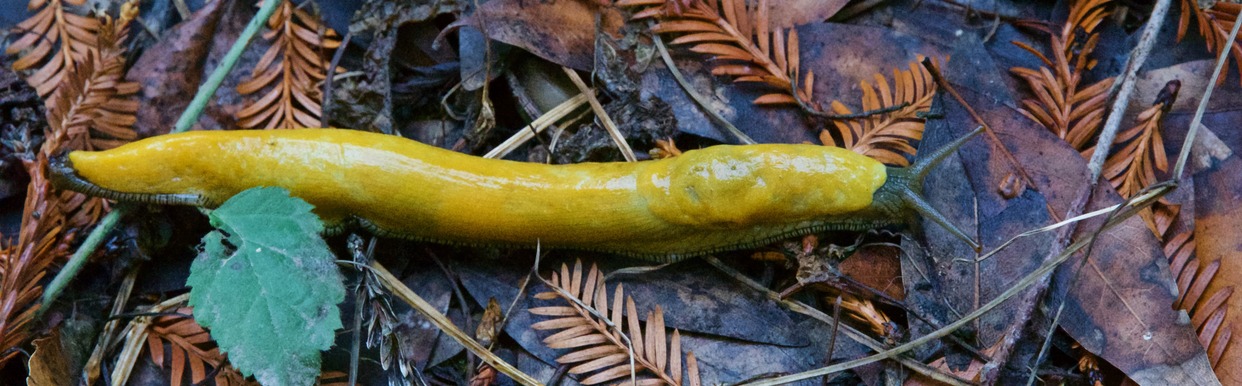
column 107, row 335
column 355, row 339
column 136, row 338
column 604, row 119
column 944, row 85
column 80, row 256
column 1030, row 279
column 854, row 9
column 361, row 260
column 1094, row 167
column 836, row 322
column 850, row 331
column 205, row 92
column 328, row 82
column 1056, row 318
column 815, row 112
column 504, row 320
column 694, row 95
column 537, row 126
column 1118, row 111
column 464, row 311
column 1019, row 21
column 182, row 9
column 429, row 311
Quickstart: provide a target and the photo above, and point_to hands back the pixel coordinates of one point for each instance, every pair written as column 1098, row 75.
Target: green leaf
column 267, row 286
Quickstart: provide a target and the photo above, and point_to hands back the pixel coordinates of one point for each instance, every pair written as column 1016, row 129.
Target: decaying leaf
column 1061, row 103
column 87, row 110
column 52, row 41
column 292, row 70
column 1214, row 25
column 886, row 137
column 49, row 363
column 608, row 345
column 738, row 37
column 189, row 346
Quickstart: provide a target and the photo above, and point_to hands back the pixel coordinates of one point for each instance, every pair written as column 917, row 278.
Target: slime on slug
column 704, row 201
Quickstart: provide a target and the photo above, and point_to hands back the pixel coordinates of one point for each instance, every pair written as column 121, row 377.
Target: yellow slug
column 708, row 200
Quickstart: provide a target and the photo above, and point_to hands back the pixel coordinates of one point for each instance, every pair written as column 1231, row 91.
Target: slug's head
column 902, row 194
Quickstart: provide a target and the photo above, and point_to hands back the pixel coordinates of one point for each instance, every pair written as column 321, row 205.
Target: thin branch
column 813, row 111
column 850, row 331
column 604, row 119
column 1135, row 205
column 694, row 95
column 444, row 324
column 329, row 81
column 208, row 89
column 944, row 85
column 1117, row 112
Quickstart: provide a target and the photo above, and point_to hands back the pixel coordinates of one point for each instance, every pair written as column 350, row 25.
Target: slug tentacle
column 906, row 186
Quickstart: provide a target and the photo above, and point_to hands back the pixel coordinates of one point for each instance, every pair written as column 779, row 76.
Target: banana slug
column 704, row 201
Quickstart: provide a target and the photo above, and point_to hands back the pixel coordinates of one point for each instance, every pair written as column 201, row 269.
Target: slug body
column 708, row 200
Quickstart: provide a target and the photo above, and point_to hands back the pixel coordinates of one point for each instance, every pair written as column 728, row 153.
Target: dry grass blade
column 52, row 40
column 189, row 345
column 85, row 106
column 1214, row 24
column 602, row 342
column 739, row 38
column 1061, row 103
column 886, row 137
column 292, row 70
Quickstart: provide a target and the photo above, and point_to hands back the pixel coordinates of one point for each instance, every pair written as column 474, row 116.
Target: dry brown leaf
column 49, row 364
column 1214, row 24
column 739, row 38
column 605, row 342
column 292, row 71
column 1140, row 153
column 886, row 137
column 493, row 316
column 189, row 346
column 1061, row 102
column 52, row 40
column 87, row 111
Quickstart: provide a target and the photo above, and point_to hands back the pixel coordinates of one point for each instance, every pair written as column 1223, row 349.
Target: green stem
column 195, row 109
column 188, row 117
column 70, row 270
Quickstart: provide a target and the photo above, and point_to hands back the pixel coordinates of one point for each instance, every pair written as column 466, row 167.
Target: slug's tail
column 911, row 192
column 63, row 176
